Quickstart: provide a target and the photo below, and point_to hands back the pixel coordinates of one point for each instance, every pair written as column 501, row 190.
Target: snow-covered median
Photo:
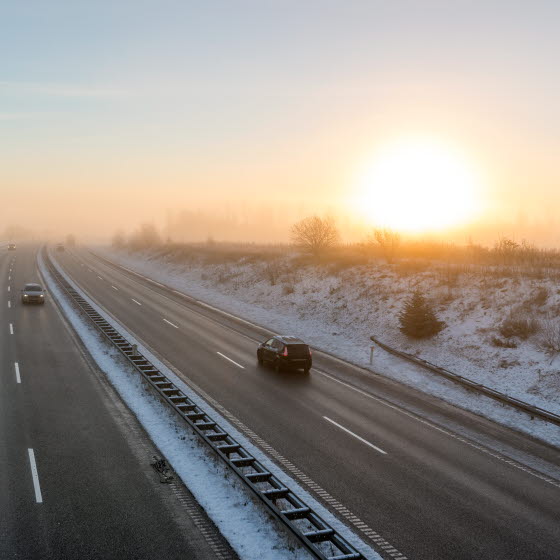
column 338, row 309
column 252, row 533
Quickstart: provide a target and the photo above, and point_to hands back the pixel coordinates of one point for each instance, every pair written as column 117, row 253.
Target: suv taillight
column 285, row 351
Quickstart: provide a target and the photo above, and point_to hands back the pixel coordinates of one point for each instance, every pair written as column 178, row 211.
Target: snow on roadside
column 334, row 314
column 220, row 493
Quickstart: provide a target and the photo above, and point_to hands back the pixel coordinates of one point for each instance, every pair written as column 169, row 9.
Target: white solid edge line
column 115, row 288
column 18, row 377
column 11, row 328
column 136, row 302
column 35, row 476
column 355, row 435
column 169, row 322
column 230, row 360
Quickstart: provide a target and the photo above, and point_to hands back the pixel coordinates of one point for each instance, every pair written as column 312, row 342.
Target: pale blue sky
column 211, row 100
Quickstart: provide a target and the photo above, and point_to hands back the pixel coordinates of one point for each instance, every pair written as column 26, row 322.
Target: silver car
column 33, row 293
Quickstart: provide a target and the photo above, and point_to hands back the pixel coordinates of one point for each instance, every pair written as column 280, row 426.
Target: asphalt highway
column 76, row 477
column 411, row 484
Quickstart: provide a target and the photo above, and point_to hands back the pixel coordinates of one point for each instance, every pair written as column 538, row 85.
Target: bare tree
column 315, row 234
column 388, row 241
column 146, row 237
column 506, row 249
column 119, row 239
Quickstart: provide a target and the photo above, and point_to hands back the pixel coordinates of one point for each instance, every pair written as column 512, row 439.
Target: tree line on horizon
column 319, row 237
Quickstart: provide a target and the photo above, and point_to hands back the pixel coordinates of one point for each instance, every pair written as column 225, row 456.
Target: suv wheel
column 259, row 359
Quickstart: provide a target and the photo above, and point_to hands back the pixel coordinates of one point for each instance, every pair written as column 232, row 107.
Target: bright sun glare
column 418, row 185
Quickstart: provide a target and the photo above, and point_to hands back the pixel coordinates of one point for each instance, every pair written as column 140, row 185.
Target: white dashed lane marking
column 11, row 328
column 452, row 435
column 230, row 360
column 170, row 323
column 16, row 367
column 115, row 288
column 355, row 435
column 35, row 476
column 136, row 302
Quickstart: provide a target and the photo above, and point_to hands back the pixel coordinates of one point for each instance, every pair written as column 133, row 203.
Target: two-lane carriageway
column 76, row 478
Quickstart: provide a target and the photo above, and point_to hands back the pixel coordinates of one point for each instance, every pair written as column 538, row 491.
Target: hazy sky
column 116, row 112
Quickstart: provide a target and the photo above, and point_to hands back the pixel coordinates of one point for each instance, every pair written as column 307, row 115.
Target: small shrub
column 288, row 289
column 418, row 319
column 272, row 271
column 503, row 343
column 520, row 325
column 550, row 337
column 540, row 296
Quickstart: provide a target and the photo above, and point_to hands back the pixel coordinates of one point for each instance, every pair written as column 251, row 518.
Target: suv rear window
column 298, row 350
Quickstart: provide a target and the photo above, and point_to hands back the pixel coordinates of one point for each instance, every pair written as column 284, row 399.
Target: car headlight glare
column 41, row 295
column 25, row 295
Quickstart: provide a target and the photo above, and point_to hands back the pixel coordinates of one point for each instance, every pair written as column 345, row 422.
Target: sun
column 418, row 185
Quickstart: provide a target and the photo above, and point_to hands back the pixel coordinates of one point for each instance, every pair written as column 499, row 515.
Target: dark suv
column 285, row 351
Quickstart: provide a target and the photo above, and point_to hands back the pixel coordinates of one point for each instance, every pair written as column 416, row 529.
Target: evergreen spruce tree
column 418, row 319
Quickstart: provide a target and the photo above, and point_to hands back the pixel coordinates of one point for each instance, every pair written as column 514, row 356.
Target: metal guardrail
column 315, row 534
column 534, row 411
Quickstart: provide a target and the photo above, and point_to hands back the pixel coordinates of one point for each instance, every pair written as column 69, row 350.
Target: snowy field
column 337, row 309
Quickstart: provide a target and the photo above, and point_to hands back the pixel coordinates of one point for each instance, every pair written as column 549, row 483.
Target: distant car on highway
column 11, row 246
column 285, row 352
column 60, row 247
column 33, row 293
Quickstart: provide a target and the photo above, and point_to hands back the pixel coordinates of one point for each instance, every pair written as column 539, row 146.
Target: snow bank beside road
column 337, row 312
